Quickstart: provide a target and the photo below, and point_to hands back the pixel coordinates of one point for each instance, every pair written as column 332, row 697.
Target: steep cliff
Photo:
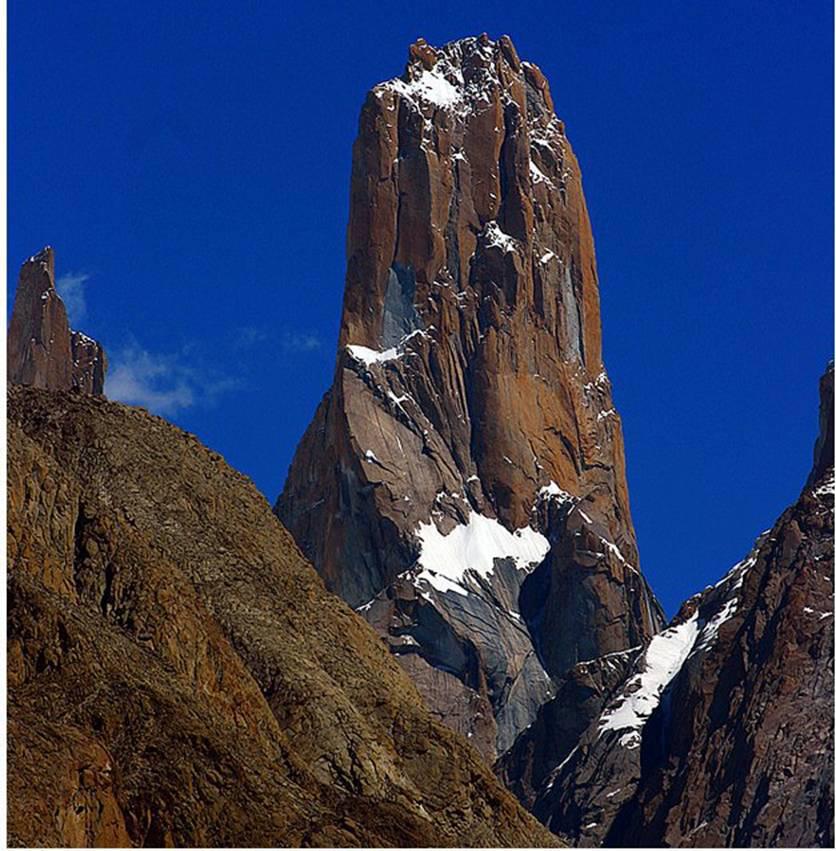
column 179, row 676
column 42, row 349
column 462, row 483
column 722, row 731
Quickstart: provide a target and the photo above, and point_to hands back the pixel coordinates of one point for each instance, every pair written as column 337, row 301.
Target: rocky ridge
column 42, row 350
column 720, row 732
column 179, row 676
column 462, row 483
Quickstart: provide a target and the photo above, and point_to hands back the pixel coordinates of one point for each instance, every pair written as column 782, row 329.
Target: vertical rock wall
column 42, row 350
column 462, row 482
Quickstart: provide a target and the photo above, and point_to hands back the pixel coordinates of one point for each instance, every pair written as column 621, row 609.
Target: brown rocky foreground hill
column 178, row 674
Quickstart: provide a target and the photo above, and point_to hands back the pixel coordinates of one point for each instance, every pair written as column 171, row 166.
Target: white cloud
column 252, row 337
column 248, row 336
column 300, row 341
column 160, row 382
column 71, row 289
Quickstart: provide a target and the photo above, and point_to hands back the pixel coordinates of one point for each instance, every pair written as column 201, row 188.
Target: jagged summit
column 45, row 256
column 458, row 75
column 463, row 483
column 43, row 351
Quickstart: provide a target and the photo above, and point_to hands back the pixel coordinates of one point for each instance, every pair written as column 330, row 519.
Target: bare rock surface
column 179, row 676
column 462, row 483
column 42, row 350
column 721, row 732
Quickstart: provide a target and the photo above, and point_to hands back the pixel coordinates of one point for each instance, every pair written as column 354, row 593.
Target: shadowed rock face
column 179, row 676
column 43, row 351
column 462, row 483
column 721, row 732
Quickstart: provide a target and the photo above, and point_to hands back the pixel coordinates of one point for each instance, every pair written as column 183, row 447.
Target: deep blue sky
column 190, row 164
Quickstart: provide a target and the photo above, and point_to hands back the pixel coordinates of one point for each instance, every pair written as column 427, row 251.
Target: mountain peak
column 44, row 258
column 459, row 75
column 43, row 351
column 465, row 474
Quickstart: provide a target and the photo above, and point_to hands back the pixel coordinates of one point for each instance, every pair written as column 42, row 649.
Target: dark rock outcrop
column 722, row 732
column 462, row 483
column 179, row 676
column 42, row 350
column 89, row 364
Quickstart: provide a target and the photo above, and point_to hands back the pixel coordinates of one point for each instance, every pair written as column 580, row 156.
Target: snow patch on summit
column 430, row 86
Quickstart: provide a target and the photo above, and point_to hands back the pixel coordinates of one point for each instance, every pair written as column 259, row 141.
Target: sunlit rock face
column 719, row 733
column 462, row 483
column 42, row 350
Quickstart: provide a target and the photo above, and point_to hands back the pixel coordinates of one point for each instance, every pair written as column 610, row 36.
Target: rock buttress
column 462, row 483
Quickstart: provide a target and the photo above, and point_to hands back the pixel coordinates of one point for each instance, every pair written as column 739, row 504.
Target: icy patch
column 398, row 400
column 553, row 491
column 562, row 763
column 367, row 356
column 738, row 572
column 610, row 412
column 371, row 457
column 537, row 176
column 826, row 487
column 710, row 630
column 613, row 548
column 429, row 87
column 601, row 382
column 472, row 547
column 664, row 657
column 496, row 237
column 549, row 255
